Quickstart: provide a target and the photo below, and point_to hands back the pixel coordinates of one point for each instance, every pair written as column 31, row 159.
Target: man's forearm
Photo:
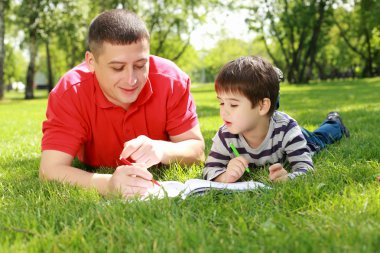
column 74, row 176
column 185, row 152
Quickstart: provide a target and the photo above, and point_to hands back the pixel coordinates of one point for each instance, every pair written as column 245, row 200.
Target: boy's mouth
column 227, row 123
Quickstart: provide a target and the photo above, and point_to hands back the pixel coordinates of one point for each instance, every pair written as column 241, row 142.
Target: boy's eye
column 234, row 105
column 221, row 103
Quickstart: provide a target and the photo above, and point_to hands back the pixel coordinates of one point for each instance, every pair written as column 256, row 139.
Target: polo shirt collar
column 103, row 102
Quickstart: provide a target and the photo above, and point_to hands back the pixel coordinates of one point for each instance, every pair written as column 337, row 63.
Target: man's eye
column 140, row 66
column 117, row 69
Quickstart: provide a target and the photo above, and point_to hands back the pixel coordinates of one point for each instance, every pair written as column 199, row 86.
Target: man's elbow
column 200, row 154
column 42, row 173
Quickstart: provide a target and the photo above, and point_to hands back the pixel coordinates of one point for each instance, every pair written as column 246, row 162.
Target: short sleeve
column 64, row 129
column 181, row 110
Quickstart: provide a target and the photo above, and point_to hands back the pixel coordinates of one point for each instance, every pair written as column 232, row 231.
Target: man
column 122, row 102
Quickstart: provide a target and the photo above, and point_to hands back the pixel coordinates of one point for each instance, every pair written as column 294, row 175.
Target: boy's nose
column 223, row 112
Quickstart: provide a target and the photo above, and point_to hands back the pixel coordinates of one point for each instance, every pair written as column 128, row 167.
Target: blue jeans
column 328, row 132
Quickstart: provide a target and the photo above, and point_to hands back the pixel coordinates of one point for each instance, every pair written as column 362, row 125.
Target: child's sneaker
column 334, row 116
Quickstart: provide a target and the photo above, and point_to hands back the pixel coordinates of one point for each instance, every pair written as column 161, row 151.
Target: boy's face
column 237, row 113
column 122, row 71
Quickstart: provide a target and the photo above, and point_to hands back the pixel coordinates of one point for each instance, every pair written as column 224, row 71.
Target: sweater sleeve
column 217, row 159
column 297, row 152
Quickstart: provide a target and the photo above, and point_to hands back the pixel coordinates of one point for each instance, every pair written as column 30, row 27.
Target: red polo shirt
column 82, row 122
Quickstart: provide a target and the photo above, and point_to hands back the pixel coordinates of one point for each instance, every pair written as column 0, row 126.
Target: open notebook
column 198, row 186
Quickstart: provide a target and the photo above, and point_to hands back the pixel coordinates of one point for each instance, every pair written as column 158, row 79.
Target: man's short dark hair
column 117, row 27
column 251, row 76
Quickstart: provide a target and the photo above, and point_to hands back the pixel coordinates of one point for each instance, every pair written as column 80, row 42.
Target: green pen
column 237, row 154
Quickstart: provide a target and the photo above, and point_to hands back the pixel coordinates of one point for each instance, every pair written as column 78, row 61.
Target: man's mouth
column 128, row 90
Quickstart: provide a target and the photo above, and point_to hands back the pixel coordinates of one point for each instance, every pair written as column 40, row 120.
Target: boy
column 247, row 89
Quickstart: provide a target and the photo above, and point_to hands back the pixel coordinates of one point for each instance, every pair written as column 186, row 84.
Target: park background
column 329, row 52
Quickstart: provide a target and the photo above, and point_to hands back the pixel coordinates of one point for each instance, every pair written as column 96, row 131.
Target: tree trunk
column 2, row 48
column 309, row 59
column 31, row 67
column 49, row 68
column 369, row 64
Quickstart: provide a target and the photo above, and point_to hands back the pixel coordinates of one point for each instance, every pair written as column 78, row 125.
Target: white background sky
column 221, row 25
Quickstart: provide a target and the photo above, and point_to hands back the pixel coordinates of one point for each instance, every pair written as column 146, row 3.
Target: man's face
column 122, row 71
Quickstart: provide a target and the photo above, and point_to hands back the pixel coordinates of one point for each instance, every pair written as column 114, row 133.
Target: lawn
column 335, row 209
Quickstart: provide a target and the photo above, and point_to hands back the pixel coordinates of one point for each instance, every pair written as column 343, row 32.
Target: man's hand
column 144, row 150
column 277, row 173
column 235, row 169
column 130, row 180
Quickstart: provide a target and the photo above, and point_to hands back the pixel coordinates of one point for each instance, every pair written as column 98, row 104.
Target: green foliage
column 359, row 30
column 14, row 65
column 227, row 50
column 302, row 37
column 335, row 209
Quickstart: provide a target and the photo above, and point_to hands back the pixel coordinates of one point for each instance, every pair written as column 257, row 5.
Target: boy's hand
column 235, row 169
column 277, row 173
column 130, row 180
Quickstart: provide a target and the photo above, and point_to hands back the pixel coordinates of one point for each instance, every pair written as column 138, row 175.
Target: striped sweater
column 284, row 142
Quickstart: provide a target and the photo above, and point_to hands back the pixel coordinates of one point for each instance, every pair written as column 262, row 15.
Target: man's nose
column 130, row 77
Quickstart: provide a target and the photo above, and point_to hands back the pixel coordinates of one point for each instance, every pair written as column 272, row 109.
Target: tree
column 28, row 13
column 170, row 22
column 359, row 28
column 297, row 28
column 225, row 51
column 15, row 65
column 3, row 5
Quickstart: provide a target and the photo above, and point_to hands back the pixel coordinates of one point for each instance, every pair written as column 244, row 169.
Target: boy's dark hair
column 118, row 27
column 251, row 76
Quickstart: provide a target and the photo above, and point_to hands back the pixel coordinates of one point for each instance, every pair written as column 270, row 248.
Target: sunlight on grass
column 334, row 209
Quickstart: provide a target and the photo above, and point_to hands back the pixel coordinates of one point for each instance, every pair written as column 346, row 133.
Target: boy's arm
column 128, row 180
column 217, row 160
column 297, row 153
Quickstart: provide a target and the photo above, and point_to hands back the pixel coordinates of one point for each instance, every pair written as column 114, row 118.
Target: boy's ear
column 264, row 106
column 90, row 60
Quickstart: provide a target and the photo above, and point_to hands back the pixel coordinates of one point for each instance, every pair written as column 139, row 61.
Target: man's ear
column 264, row 106
column 90, row 60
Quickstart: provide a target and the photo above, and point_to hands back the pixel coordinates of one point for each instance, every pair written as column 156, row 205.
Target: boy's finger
column 243, row 161
column 282, row 178
column 275, row 167
column 278, row 174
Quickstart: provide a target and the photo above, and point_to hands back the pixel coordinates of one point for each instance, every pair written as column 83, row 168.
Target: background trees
column 301, row 37
column 308, row 40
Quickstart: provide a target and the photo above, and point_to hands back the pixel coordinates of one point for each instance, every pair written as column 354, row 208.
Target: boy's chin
column 233, row 131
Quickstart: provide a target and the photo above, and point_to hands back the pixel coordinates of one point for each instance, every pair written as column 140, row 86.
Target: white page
column 168, row 188
column 176, row 188
column 193, row 184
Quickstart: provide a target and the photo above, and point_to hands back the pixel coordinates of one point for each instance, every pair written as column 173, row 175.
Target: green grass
column 337, row 209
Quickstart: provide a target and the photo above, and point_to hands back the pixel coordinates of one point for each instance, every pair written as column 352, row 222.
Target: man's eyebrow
column 123, row 62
